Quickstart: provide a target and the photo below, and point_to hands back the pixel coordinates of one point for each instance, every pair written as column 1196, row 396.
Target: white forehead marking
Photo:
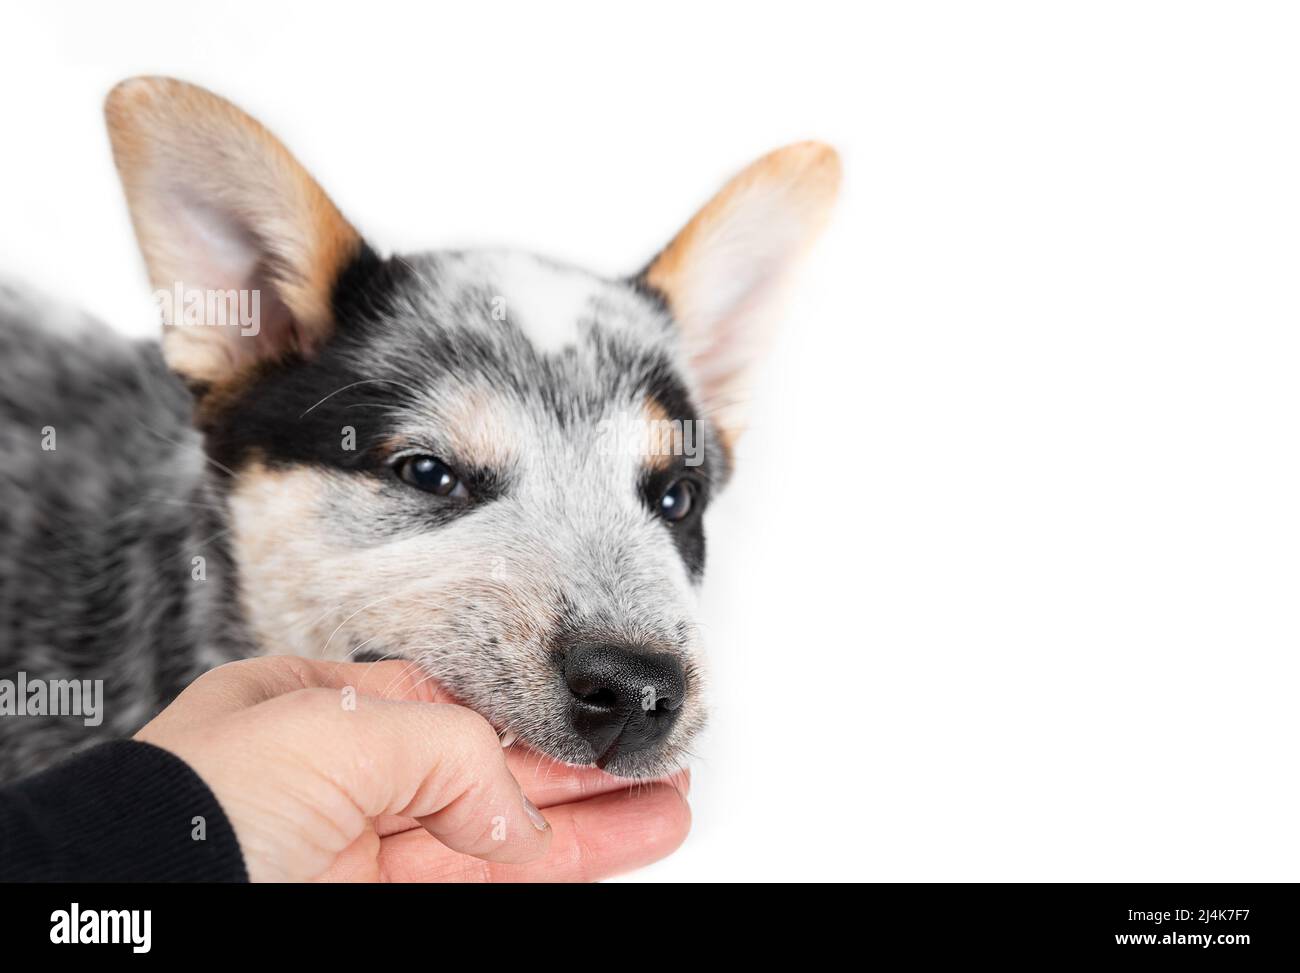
column 544, row 301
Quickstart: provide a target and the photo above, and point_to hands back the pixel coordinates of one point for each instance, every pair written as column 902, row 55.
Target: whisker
column 364, row 381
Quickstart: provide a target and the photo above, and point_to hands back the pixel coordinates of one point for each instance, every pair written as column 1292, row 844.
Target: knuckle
column 471, row 728
column 315, row 700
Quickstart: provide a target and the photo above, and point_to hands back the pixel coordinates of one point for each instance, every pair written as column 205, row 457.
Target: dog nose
column 624, row 700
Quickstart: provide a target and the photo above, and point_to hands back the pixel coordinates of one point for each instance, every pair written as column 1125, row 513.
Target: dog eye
column 432, row 475
column 677, row 501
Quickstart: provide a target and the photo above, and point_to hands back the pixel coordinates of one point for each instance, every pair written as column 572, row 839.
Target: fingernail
column 534, row 815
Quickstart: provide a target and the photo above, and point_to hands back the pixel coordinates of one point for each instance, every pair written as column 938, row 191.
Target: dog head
column 487, row 463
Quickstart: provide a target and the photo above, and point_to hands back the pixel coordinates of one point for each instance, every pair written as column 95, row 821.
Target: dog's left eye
column 677, row 501
column 432, row 475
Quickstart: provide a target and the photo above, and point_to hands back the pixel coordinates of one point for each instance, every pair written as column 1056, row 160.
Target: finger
column 547, row 782
column 439, row 764
column 257, row 680
column 391, row 679
column 247, row 682
column 594, row 839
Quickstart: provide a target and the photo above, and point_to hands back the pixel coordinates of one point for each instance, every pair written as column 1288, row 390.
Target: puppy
column 488, row 463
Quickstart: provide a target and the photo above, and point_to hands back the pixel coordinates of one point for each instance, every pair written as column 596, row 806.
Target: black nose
column 624, row 700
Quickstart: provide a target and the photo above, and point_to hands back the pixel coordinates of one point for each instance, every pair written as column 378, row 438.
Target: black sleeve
column 120, row 812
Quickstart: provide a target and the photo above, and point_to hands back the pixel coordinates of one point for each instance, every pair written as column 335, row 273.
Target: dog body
column 104, row 500
column 487, row 463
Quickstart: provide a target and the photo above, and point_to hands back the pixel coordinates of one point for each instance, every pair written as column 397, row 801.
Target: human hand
column 363, row 772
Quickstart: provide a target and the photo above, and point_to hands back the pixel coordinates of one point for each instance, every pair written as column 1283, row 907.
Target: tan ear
column 723, row 274
column 223, row 213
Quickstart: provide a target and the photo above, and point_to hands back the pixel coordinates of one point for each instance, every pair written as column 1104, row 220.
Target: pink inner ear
column 220, row 255
column 213, row 247
column 726, row 297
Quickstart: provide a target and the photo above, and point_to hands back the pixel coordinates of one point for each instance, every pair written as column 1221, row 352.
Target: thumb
column 328, row 769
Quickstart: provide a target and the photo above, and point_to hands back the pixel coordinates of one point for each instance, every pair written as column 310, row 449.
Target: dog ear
column 221, row 210
column 723, row 274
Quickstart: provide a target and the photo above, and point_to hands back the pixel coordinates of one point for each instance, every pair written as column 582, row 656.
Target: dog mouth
column 638, row 766
column 612, row 758
column 561, row 744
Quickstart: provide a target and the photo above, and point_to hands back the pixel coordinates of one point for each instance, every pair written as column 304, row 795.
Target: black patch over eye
column 432, row 475
column 677, row 501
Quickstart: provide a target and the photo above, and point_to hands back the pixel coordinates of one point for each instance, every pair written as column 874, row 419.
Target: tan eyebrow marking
column 481, row 430
column 658, row 437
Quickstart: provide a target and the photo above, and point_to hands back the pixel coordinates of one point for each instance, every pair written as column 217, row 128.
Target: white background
column 1006, row 584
